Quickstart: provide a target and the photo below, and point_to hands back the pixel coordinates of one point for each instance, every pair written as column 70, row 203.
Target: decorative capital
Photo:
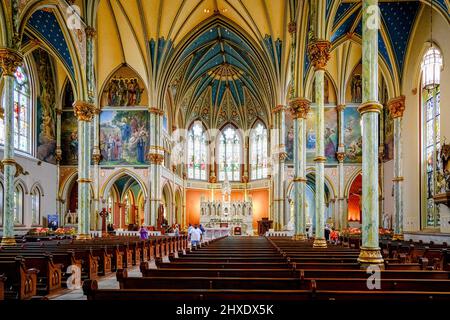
column 212, row 179
column 292, row 27
column 340, row 156
column 245, row 179
column 19, row 169
column 10, row 60
column 319, row 53
column 156, row 158
column 58, row 155
column 84, row 111
column 340, row 107
column 397, row 107
column 320, row 159
column 156, row 111
column 90, row 32
column 96, row 157
column 300, row 107
column 59, row 111
column 371, row 106
column 2, row 113
column 278, row 108
column 282, row 156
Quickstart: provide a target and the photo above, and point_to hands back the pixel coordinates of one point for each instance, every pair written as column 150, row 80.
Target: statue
column 356, row 88
column 104, row 215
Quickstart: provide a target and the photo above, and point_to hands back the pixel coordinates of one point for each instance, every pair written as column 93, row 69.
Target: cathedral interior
column 147, row 108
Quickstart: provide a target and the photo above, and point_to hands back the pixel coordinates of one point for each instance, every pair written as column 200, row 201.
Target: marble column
column 84, row 111
column 319, row 54
column 370, row 109
column 397, row 108
column 156, row 157
column 245, row 176
column 278, row 163
column 10, row 60
column 341, row 221
column 299, row 108
column 212, row 152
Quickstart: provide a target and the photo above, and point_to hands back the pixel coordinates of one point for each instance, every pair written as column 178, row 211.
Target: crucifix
column 104, row 215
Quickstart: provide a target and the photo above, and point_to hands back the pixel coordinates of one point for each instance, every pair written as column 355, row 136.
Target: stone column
column 341, row 222
column 397, row 108
column 319, row 54
column 246, row 175
column 84, row 111
column 156, row 157
column 278, row 160
column 10, row 60
column 212, row 154
column 370, row 110
column 299, row 108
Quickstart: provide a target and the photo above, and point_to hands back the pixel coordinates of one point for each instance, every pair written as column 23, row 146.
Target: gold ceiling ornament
column 226, row 71
column 84, row 111
column 319, row 53
column 278, row 108
column 300, row 107
column 397, row 107
column 10, row 60
column 156, row 158
column 292, row 27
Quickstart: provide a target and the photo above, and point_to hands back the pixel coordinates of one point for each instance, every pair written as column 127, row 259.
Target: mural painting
column 352, row 135
column 124, row 138
column 69, row 138
column 45, row 108
column 330, row 136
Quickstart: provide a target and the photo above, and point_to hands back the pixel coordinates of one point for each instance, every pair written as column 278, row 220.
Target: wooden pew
column 21, row 283
column 2, row 287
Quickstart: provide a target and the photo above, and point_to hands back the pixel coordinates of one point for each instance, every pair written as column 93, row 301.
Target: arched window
column 22, row 113
column 258, row 151
column 197, row 152
column 230, row 154
column 36, row 207
column 431, row 136
column 18, row 205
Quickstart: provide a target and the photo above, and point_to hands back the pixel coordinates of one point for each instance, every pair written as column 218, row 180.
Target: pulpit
column 264, row 225
column 237, row 231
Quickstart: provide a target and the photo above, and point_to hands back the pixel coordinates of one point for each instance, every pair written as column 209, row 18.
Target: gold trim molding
column 300, row 107
column 397, row 107
column 371, row 106
column 84, row 111
column 10, row 60
column 319, row 53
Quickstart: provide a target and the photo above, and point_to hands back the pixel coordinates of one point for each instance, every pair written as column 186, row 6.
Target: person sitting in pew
column 144, row 233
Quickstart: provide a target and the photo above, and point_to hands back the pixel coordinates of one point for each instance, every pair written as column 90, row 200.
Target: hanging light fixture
column 432, row 61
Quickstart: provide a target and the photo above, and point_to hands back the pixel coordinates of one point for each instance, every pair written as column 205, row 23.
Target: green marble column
column 156, row 157
column 84, row 111
column 299, row 109
column 397, row 108
column 319, row 54
column 370, row 110
column 9, row 61
column 341, row 221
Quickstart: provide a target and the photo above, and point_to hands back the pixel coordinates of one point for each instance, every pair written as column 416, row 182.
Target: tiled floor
column 108, row 282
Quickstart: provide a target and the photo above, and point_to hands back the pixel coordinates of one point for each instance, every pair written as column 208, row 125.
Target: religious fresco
column 45, row 108
column 124, row 137
column 388, row 135
column 69, row 138
column 330, row 135
column 289, row 141
column 352, row 135
column 123, row 89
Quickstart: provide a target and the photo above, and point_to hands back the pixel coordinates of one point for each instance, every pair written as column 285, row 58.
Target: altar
column 232, row 215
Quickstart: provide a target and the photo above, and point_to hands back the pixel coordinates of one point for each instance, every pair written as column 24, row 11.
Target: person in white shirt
column 196, row 235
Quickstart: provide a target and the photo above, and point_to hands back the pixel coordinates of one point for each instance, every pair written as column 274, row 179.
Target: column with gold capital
column 370, row 109
column 319, row 54
column 341, row 221
column 156, row 158
column 397, row 108
column 299, row 108
column 84, row 111
column 10, row 60
column 278, row 161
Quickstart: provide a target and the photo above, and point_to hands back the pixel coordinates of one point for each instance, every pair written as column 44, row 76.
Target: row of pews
column 32, row 270
column 272, row 269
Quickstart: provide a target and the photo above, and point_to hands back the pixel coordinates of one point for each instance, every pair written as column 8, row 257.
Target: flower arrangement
column 66, row 231
column 39, row 231
column 355, row 232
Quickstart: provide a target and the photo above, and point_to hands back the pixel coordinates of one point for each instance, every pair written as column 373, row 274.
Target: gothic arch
column 105, row 189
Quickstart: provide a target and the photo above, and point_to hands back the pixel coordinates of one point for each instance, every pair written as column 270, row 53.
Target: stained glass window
column 35, row 207
column 110, row 218
column 230, row 153
column 258, row 152
column 197, row 152
column 18, row 205
column 22, row 116
column 431, row 109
